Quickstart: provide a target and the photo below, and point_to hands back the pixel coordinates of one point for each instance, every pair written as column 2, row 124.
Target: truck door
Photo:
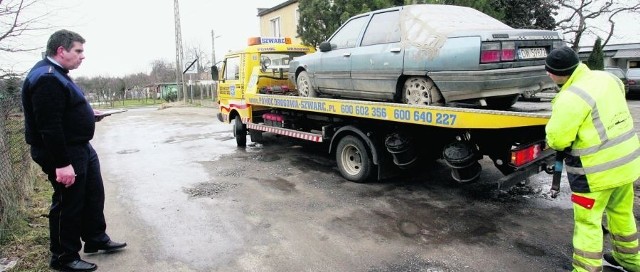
column 231, row 83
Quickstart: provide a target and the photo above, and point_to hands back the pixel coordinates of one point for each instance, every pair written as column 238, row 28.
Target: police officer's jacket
column 57, row 115
column 591, row 122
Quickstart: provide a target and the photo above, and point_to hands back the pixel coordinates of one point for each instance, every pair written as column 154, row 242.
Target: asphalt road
column 185, row 198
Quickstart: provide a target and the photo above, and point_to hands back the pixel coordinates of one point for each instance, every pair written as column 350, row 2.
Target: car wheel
column 240, row 132
column 353, row 159
column 421, row 91
column 304, row 85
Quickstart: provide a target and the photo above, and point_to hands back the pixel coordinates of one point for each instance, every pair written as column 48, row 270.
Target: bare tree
column 203, row 63
column 18, row 19
column 162, row 72
column 579, row 16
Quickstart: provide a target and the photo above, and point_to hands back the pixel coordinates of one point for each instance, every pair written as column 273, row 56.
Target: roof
column 264, row 11
column 611, row 47
column 627, row 53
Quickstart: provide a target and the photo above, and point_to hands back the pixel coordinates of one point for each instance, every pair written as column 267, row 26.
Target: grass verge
column 27, row 238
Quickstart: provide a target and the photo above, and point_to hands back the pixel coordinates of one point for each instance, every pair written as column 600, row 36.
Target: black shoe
column 612, row 261
column 77, row 265
column 108, row 247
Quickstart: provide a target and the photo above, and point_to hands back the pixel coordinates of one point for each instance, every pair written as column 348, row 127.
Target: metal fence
column 16, row 174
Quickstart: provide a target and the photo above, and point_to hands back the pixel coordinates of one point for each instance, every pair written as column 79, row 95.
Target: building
column 280, row 21
column 624, row 56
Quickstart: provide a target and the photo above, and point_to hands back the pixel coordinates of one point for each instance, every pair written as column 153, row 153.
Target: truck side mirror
column 214, row 73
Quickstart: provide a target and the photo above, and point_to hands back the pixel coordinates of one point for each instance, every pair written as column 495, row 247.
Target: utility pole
column 213, row 47
column 179, row 66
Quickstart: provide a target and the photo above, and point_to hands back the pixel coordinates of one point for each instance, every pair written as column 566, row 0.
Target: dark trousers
column 76, row 212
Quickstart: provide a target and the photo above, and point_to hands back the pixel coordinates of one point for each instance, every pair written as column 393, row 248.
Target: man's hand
column 99, row 115
column 66, row 175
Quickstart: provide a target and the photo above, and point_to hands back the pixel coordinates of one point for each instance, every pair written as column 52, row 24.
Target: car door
column 334, row 76
column 377, row 63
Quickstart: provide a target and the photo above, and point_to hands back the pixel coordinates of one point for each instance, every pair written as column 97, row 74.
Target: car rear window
column 616, row 72
column 633, row 72
column 427, row 27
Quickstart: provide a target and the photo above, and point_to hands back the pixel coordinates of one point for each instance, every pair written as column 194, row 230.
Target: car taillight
column 631, row 82
column 508, row 51
column 490, row 52
column 497, row 51
column 525, row 155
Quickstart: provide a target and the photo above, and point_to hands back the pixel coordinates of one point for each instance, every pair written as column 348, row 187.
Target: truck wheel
column 304, row 85
column 353, row 159
column 240, row 132
column 421, row 91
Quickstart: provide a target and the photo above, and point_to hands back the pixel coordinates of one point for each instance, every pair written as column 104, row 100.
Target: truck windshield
column 278, row 60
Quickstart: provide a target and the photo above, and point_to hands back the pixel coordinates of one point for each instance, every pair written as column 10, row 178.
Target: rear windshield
column 633, row 72
column 616, row 72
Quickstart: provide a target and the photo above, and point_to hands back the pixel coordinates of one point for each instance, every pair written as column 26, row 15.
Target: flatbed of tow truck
column 377, row 140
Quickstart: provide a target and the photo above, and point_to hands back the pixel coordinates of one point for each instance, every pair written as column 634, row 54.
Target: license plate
column 532, row 53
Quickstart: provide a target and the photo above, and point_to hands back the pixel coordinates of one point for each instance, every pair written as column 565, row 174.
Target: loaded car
column 619, row 73
column 633, row 78
column 429, row 55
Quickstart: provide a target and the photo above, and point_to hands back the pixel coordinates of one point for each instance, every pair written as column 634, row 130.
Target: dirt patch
column 209, row 189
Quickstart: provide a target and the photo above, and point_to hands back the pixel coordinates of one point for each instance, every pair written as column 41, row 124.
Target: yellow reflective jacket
column 591, row 122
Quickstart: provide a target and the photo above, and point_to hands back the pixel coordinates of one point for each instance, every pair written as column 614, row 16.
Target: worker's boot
column 612, row 261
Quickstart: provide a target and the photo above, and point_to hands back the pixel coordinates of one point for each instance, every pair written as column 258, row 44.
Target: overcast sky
column 125, row 36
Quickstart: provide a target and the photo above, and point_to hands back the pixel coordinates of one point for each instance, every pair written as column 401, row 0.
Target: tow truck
column 374, row 140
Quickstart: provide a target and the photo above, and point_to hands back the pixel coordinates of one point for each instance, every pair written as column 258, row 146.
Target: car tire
column 421, row 91
column 303, row 83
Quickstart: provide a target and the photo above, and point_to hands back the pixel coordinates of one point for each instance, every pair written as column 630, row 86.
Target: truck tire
column 240, row 132
column 353, row 159
column 303, row 83
column 421, row 91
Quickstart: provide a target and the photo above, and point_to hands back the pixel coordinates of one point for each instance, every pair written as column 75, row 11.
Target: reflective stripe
column 605, row 144
column 588, row 254
column 628, row 238
column 595, row 115
column 587, row 267
column 605, row 166
column 625, row 250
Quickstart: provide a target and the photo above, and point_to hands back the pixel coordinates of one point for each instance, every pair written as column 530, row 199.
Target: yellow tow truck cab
column 373, row 140
column 270, row 57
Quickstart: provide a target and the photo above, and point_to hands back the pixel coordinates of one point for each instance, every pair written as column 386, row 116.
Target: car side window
column 383, row 28
column 232, row 69
column 347, row 36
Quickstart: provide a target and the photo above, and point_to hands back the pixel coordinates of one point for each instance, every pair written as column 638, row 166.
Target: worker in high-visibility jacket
column 591, row 123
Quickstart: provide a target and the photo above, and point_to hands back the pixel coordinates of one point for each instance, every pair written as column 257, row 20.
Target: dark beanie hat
column 561, row 61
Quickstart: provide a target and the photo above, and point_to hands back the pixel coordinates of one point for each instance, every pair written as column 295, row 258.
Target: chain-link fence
column 15, row 162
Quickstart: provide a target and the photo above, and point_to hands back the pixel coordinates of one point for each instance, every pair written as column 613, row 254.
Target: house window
column 275, row 27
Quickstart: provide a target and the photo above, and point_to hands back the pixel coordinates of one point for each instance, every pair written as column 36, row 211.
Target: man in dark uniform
column 59, row 123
